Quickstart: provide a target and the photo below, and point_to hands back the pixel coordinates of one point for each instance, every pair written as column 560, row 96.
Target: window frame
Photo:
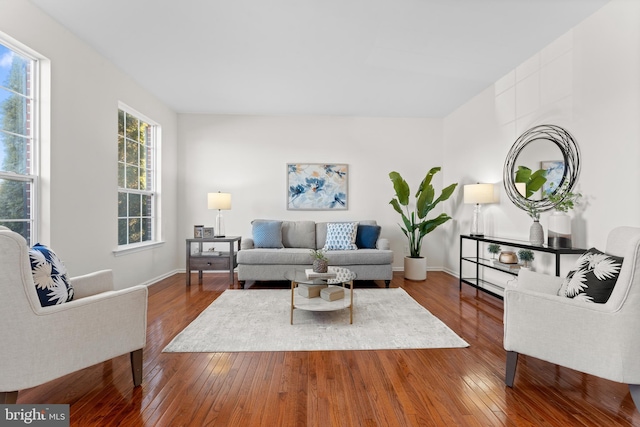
column 153, row 159
column 34, row 138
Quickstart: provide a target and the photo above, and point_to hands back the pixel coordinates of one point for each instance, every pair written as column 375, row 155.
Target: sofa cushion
column 267, row 233
column 285, row 256
column 50, row 276
column 341, row 236
column 367, row 236
column 299, row 234
column 360, row 257
column 593, row 277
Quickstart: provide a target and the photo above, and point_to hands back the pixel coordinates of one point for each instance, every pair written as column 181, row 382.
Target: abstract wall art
column 317, row 186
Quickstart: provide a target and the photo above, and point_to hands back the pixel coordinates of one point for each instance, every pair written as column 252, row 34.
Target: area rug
column 259, row 320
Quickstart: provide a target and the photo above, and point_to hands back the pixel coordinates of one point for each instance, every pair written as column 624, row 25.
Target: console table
column 481, row 262
column 212, row 260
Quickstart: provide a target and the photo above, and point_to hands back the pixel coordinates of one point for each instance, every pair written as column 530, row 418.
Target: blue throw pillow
column 50, row 276
column 341, row 236
column 267, row 234
column 367, row 236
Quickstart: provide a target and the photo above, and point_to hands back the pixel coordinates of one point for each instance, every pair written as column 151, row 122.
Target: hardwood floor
column 437, row 387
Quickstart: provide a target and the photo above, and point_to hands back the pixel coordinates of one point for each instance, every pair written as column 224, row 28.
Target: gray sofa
column 298, row 238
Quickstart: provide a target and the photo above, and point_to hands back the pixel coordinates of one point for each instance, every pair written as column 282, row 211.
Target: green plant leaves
column 415, row 224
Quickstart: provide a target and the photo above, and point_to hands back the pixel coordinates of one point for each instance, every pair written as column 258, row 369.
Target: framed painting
column 317, row 186
column 555, row 173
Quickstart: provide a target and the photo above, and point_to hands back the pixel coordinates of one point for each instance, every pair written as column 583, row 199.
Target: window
column 18, row 124
column 136, row 178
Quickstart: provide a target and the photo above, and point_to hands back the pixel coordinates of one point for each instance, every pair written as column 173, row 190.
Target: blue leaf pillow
column 367, row 236
column 50, row 276
column 267, row 234
column 341, row 236
column 593, row 278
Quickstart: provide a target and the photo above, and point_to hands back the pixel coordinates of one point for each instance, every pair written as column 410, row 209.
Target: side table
column 212, row 260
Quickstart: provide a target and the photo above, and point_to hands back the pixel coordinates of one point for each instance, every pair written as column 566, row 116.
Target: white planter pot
column 415, row 268
column 559, row 230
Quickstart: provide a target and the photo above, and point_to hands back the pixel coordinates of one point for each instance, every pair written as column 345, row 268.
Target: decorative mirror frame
column 571, row 156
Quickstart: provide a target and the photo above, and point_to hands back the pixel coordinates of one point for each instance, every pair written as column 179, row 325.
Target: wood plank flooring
column 436, row 387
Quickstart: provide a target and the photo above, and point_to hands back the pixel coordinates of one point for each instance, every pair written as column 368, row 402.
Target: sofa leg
column 512, row 362
column 136, row 367
column 634, row 389
column 8, row 397
column 241, row 284
column 387, row 283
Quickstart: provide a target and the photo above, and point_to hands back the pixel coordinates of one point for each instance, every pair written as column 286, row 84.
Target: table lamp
column 478, row 194
column 219, row 201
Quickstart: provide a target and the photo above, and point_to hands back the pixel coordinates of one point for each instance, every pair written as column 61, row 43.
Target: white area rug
column 259, row 320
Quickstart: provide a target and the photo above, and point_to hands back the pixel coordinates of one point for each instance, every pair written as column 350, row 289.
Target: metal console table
column 481, row 262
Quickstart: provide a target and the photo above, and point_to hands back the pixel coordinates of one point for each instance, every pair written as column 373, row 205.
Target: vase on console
column 559, row 230
column 536, row 233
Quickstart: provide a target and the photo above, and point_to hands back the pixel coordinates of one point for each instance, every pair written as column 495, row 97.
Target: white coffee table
column 344, row 277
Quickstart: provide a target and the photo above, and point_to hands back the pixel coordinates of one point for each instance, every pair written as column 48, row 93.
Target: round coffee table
column 336, row 277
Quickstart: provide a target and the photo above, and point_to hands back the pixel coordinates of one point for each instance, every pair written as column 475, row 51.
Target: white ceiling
column 396, row 58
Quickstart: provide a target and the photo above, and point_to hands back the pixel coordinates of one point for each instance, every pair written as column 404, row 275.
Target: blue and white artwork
column 555, row 173
column 317, row 186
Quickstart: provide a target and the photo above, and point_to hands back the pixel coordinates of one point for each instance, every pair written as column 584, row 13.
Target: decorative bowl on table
column 508, row 257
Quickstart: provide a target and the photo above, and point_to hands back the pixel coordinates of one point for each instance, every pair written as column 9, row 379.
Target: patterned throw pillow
column 593, row 278
column 367, row 236
column 341, row 236
column 267, row 234
column 50, row 276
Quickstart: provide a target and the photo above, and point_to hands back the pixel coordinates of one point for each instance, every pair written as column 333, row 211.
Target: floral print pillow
column 593, row 278
column 50, row 276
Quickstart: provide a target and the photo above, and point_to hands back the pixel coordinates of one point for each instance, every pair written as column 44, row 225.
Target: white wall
column 247, row 156
column 587, row 81
column 80, row 152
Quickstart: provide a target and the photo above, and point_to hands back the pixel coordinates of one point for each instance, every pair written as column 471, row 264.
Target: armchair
column 40, row 344
column 597, row 339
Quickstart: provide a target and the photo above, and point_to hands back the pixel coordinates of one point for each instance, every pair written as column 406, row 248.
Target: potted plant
column 493, row 249
column 320, row 261
column 415, row 224
column 563, row 199
column 526, row 256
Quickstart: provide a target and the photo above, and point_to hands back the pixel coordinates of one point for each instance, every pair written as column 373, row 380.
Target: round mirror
column 542, row 161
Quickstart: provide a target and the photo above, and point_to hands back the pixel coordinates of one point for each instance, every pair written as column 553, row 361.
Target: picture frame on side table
column 198, row 231
column 317, row 186
column 208, row 232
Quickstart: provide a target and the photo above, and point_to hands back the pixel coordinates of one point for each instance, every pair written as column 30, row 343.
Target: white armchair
column 40, row 344
column 597, row 339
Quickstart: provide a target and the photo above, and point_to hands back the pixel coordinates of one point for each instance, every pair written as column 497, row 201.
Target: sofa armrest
column 383, row 244
column 538, row 282
column 246, row 243
column 92, row 283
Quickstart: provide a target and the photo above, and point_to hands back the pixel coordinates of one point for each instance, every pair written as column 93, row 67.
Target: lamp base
column 476, row 234
column 220, row 236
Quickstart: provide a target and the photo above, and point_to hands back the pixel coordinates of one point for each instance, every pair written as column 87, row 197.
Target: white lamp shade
column 220, row 201
column 478, row 193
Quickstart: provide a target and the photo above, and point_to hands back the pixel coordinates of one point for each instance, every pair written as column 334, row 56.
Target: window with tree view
column 17, row 123
column 136, row 178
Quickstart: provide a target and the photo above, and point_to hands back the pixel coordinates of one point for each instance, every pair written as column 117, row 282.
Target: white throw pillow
column 341, row 236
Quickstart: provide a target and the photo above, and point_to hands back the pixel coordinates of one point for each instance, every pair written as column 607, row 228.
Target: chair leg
column 634, row 389
column 512, row 362
column 8, row 397
column 136, row 367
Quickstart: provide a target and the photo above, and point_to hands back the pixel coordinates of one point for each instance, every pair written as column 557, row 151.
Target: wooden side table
column 212, row 260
